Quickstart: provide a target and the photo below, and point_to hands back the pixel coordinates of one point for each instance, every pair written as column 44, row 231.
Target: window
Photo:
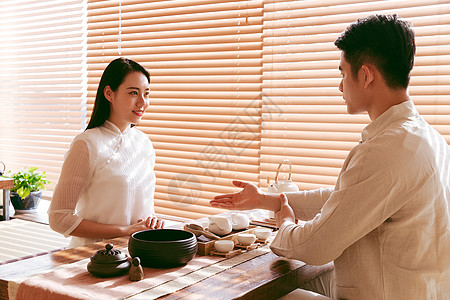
column 304, row 118
column 236, row 86
column 42, row 82
column 205, row 62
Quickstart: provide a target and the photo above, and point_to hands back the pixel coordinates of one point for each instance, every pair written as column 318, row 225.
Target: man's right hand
column 248, row 198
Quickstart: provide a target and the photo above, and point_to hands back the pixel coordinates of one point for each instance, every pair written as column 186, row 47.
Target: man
column 386, row 223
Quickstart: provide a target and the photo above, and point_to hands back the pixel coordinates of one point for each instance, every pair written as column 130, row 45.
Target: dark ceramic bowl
column 163, row 248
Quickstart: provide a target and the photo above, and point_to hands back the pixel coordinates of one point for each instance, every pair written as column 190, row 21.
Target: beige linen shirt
column 386, row 224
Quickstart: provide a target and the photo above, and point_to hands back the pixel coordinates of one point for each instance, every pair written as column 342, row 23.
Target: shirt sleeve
column 369, row 190
column 73, row 180
column 307, row 204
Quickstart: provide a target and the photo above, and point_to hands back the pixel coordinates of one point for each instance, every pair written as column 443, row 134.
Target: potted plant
column 27, row 191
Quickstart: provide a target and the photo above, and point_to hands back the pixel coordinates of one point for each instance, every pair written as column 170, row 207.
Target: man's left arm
column 369, row 192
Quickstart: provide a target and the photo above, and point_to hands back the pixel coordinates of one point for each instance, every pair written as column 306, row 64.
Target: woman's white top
column 107, row 177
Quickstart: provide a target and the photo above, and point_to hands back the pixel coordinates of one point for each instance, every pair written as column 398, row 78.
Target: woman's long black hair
column 113, row 76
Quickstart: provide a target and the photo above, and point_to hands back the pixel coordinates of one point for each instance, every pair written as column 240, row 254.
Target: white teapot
column 239, row 221
column 219, row 225
column 282, row 186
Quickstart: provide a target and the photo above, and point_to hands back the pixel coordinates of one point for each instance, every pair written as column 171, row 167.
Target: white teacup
column 224, row 246
column 263, row 233
column 219, row 225
column 239, row 221
column 246, row 239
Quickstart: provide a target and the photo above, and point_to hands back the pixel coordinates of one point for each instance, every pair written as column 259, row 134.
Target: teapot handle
column 290, row 169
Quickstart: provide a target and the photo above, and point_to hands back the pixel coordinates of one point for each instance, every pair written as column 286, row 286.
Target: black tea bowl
column 163, row 248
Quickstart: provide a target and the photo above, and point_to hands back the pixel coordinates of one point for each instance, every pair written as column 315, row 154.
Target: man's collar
column 403, row 110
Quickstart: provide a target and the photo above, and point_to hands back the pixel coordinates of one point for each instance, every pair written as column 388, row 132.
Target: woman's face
column 129, row 101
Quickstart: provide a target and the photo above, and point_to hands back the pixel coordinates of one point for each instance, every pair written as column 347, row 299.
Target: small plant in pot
column 27, row 191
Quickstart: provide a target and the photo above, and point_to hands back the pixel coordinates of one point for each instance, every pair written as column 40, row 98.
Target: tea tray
column 205, row 248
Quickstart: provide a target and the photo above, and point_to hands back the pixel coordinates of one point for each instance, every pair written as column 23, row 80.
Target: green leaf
column 27, row 181
column 23, row 193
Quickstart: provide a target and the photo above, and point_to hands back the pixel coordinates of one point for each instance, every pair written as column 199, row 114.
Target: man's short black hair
column 384, row 41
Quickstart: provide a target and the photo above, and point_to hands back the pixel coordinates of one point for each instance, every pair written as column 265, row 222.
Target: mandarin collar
column 400, row 111
column 114, row 129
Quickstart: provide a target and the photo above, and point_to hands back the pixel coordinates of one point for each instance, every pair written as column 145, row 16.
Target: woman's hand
column 154, row 223
column 248, row 198
column 151, row 222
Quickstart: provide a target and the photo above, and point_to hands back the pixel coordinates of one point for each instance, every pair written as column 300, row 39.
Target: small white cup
column 224, row 246
column 246, row 239
column 263, row 233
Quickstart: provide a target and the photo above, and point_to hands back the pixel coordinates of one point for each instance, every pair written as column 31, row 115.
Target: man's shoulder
column 406, row 145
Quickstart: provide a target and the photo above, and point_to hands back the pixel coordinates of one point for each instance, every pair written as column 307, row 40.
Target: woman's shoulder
column 93, row 139
column 92, row 136
column 89, row 134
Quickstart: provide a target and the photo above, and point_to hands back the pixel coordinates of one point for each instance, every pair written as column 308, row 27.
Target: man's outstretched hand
column 249, row 197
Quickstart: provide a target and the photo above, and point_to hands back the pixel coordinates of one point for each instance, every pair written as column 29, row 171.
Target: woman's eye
column 133, row 93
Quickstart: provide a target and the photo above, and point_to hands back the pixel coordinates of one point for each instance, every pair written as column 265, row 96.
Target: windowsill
column 40, row 215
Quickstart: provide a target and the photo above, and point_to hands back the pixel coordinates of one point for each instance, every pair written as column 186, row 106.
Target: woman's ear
column 108, row 92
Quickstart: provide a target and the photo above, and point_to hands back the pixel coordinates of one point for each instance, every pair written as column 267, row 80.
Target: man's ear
column 368, row 74
column 108, row 92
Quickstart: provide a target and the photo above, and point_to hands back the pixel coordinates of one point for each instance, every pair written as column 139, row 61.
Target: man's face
column 352, row 88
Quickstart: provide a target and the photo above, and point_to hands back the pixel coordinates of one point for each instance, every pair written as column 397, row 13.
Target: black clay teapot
column 109, row 262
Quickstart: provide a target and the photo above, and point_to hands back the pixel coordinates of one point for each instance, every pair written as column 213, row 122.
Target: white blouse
column 107, row 177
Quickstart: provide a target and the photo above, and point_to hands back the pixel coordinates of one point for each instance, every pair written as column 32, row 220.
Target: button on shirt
column 386, row 224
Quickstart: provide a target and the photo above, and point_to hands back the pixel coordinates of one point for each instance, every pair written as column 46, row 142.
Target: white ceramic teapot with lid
column 239, row 221
column 281, row 186
column 219, row 225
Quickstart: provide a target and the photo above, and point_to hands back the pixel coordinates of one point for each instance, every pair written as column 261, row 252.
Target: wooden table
column 5, row 185
column 263, row 277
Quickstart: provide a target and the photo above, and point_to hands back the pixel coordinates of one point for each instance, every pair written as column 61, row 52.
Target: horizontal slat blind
column 304, row 118
column 205, row 62
column 41, row 82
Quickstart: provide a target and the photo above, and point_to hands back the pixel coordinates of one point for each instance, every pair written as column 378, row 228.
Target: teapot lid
column 108, row 255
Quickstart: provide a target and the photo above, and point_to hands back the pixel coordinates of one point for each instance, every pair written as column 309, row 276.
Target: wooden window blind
column 41, row 82
column 205, row 63
column 236, row 86
column 304, row 118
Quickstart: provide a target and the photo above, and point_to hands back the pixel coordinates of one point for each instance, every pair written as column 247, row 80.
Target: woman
column 107, row 181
